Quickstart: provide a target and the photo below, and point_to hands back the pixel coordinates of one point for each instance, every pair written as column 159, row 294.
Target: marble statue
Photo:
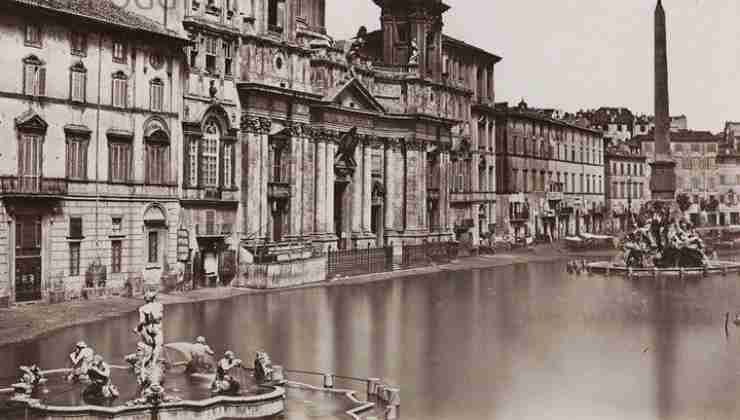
column 224, row 383
column 101, row 387
column 414, row 53
column 150, row 326
column 81, row 358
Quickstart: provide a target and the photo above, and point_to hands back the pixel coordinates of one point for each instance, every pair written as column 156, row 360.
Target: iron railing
column 213, row 229
column 34, row 185
column 424, row 254
column 355, row 262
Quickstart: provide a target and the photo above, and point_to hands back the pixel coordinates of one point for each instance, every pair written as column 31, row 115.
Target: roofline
column 533, row 115
column 34, row 4
column 464, row 44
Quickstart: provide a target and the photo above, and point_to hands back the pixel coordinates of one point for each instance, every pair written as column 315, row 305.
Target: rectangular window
column 116, row 225
column 119, row 51
column 228, row 47
column 157, row 158
column 228, row 166
column 275, row 15
column 116, row 248
column 33, row 35
column 153, row 247
column 211, row 50
column 210, row 161
column 74, row 258
column 78, row 43
column 78, row 86
column 120, row 92
column 120, row 162
column 193, row 170
column 29, row 155
column 75, row 227
column 156, row 96
column 34, row 82
column 77, row 158
column 194, row 55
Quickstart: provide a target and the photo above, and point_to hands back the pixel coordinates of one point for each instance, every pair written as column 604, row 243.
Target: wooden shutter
column 75, row 227
column 221, row 156
column 186, row 163
column 233, row 165
column 200, row 165
column 42, row 81
column 28, row 79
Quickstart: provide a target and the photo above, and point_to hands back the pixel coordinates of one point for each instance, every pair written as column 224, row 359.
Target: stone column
column 296, row 186
column 367, row 188
column 331, row 150
column 320, row 210
column 356, row 189
column 400, row 192
column 254, row 184
column 309, row 185
column 444, row 190
column 390, row 180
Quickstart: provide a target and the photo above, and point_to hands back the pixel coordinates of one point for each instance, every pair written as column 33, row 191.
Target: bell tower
column 412, row 34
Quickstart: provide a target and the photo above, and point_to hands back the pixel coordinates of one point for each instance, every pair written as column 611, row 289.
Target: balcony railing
column 278, row 185
column 32, row 185
column 213, row 229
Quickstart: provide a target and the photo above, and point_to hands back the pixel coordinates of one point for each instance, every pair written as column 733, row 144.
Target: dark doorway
column 28, row 258
column 376, row 223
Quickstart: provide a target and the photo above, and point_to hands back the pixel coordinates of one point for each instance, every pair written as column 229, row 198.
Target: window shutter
column 221, row 175
column 200, row 165
column 186, row 163
column 233, row 165
column 28, row 79
column 42, row 81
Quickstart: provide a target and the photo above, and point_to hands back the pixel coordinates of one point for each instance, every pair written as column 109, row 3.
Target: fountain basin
column 715, row 267
column 221, row 407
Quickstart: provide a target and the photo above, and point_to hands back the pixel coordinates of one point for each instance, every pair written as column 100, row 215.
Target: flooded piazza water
column 527, row 341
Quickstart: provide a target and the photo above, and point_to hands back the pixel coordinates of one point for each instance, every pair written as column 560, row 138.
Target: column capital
column 255, row 124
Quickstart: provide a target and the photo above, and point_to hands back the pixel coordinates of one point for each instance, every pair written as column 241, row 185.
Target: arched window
column 34, row 80
column 156, row 95
column 120, row 90
column 157, row 142
column 78, row 82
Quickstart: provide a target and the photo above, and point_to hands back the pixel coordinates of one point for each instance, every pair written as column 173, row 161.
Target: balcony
column 32, row 186
column 433, row 184
column 518, row 216
column 215, row 195
column 472, row 196
column 213, row 230
column 278, row 185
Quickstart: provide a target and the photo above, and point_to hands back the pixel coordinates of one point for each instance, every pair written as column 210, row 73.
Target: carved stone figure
column 414, row 53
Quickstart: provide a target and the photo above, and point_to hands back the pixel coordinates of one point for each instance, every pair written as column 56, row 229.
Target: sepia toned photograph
column 369, row 210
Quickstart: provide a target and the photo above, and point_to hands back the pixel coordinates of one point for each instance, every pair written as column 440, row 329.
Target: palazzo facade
column 89, row 125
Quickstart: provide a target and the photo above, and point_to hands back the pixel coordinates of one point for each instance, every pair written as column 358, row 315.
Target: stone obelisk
column 663, row 176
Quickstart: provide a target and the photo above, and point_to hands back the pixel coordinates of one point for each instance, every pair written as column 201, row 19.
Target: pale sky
column 574, row 54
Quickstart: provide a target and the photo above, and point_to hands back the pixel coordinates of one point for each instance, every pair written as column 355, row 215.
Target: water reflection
column 513, row 342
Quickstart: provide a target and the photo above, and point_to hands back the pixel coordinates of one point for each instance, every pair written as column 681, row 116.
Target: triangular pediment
column 31, row 121
column 354, row 95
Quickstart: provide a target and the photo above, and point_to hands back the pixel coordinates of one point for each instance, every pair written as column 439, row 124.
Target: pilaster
column 367, row 187
column 254, row 185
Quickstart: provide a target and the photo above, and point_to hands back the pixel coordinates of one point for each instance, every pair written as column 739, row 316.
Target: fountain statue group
column 148, row 364
column 663, row 239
